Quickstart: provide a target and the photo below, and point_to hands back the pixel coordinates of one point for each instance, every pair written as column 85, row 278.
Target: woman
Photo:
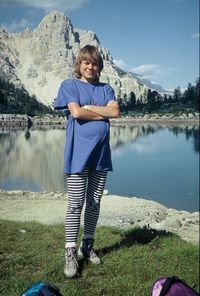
column 87, row 151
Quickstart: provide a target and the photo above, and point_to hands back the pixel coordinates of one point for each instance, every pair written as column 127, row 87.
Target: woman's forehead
column 89, row 58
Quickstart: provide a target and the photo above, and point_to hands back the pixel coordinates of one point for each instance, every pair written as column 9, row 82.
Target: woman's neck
column 92, row 80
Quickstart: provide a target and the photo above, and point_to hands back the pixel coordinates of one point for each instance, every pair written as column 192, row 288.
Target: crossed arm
column 93, row 112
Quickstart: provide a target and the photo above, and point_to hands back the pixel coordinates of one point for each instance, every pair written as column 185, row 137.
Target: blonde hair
column 91, row 54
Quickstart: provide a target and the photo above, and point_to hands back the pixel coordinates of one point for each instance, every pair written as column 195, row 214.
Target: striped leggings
column 87, row 187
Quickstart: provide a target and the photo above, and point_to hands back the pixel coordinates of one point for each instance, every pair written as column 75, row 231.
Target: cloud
column 33, row 5
column 147, row 71
column 16, row 26
column 195, row 36
column 121, row 64
column 64, row 5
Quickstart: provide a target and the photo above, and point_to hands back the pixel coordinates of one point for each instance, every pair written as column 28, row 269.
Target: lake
column 157, row 162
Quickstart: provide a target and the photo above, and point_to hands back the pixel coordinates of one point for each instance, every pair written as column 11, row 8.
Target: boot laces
column 71, row 260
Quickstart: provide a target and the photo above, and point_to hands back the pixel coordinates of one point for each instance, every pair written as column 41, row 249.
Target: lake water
column 157, row 162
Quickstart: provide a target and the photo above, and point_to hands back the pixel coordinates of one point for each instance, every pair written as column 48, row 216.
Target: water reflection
column 37, row 160
column 27, row 135
column 33, row 159
column 127, row 133
column 191, row 132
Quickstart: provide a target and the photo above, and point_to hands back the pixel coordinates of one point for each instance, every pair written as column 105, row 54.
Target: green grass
column 132, row 260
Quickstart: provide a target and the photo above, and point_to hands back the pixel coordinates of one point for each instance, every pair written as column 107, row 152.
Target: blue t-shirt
column 87, row 142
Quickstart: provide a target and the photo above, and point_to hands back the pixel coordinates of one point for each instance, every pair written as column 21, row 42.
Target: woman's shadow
column 131, row 237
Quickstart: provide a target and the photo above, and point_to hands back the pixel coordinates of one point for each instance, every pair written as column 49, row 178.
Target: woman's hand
column 111, row 110
column 86, row 107
column 83, row 112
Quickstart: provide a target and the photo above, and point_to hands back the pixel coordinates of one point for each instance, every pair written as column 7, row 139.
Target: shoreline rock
column 117, row 211
column 53, row 120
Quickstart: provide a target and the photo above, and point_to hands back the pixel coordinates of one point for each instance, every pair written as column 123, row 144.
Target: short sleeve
column 110, row 94
column 67, row 93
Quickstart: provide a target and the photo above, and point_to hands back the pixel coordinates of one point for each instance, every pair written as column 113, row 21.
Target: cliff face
column 40, row 59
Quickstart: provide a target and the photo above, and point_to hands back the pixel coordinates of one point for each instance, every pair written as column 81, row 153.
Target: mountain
column 40, row 59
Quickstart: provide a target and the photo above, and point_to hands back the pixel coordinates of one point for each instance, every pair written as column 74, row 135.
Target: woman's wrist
column 86, row 107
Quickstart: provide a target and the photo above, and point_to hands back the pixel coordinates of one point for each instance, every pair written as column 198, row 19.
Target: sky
column 158, row 39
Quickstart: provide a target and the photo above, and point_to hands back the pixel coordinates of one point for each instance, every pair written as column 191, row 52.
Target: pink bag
column 172, row 286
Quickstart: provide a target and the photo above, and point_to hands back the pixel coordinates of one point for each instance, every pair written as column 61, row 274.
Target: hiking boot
column 71, row 264
column 86, row 251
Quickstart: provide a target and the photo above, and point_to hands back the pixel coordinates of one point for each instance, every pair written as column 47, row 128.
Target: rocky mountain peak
column 55, row 20
column 26, row 33
column 40, row 59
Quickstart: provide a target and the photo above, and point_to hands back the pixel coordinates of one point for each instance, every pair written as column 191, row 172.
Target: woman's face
column 88, row 70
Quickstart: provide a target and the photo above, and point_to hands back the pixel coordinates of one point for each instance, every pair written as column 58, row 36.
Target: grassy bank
column 132, row 260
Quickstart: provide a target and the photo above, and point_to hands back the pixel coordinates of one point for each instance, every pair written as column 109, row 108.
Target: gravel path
column 49, row 208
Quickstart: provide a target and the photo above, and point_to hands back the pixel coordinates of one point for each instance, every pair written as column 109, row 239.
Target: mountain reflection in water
column 33, row 160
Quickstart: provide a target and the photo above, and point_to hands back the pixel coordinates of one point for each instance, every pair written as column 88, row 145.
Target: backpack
column 172, row 286
column 42, row 289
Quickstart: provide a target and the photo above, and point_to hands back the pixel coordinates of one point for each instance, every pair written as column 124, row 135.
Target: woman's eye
column 88, row 63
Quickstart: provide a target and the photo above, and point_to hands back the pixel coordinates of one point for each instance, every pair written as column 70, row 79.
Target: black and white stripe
column 88, row 185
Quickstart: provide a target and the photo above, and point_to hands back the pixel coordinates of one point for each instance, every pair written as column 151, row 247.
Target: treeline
column 17, row 101
column 188, row 101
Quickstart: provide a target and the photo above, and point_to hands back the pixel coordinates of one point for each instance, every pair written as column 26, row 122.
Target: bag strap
column 167, row 285
column 54, row 289
column 45, row 291
column 170, row 281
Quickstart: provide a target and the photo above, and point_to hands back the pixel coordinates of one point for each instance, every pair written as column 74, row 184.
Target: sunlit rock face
column 40, row 59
